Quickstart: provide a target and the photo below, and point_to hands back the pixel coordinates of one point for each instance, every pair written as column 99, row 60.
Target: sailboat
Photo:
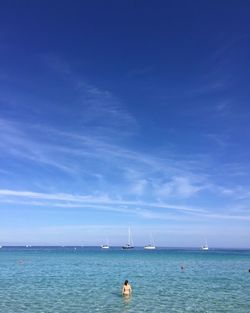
column 105, row 246
column 150, row 246
column 129, row 245
column 205, row 246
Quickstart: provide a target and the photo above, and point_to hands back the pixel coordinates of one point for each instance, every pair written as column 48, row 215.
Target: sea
column 90, row 279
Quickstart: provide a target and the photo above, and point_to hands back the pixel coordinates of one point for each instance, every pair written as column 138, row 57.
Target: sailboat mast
column 129, row 236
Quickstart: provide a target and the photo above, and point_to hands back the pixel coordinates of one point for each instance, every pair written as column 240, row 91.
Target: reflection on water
column 126, row 299
column 127, row 303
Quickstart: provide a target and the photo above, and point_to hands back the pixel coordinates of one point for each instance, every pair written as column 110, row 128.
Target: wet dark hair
column 126, row 282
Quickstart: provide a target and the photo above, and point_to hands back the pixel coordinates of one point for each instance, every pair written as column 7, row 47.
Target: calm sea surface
column 69, row 280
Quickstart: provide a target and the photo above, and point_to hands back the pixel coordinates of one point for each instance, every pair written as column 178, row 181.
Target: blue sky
column 118, row 113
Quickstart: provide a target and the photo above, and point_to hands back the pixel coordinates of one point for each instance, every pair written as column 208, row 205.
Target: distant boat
column 205, row 247
column 150, row 246
column 129, row 245
column 105, row 246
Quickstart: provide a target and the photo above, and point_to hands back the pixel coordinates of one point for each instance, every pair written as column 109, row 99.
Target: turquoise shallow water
column 68, row 280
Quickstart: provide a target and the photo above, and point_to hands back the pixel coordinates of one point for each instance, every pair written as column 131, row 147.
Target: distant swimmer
column 182, row 268
column 126, row 290
column 249, row 270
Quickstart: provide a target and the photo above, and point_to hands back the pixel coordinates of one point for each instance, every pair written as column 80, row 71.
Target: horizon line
column 119, row 246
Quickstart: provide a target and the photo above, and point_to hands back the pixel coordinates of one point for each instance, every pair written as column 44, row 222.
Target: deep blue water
column 69, row 280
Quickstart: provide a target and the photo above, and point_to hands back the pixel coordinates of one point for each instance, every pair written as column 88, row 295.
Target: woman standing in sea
column 126, row 290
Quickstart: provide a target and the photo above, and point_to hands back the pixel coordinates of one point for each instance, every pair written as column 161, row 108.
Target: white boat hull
column 105, row 247
column 205, row 247
column 149, row 247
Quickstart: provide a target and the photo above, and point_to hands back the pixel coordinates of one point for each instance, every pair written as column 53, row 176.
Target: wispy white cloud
column 222, row 140
column 210, row 86
column 155, row 184
column 179, row 187
column 156, row 210
column 99, row 109
column 20, row 143
column 226, row 46
column 235, row 192
column 138, row 187
column 139, row 173
column 103, row 201
column 55, row 147
column 46, row 196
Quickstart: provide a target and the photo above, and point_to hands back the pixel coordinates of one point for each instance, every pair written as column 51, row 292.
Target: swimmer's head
column 126, row 282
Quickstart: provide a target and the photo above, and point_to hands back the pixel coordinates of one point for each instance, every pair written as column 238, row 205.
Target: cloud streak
column 99, row 110
column 76, row 156
column 156, row 210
